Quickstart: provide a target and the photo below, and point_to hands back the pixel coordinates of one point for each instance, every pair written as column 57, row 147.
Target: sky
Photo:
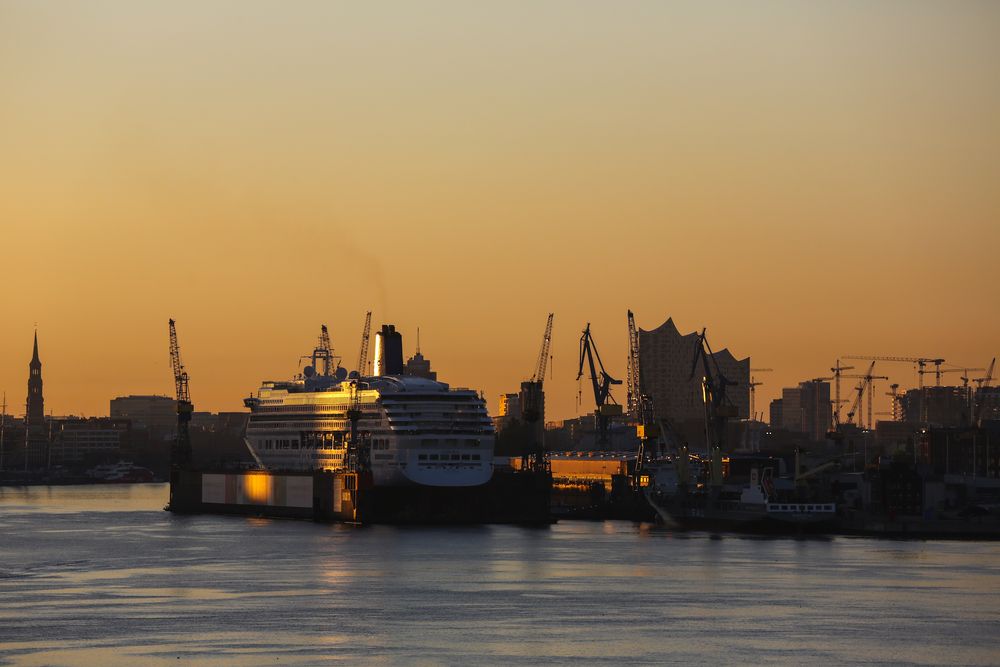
column 806, row 180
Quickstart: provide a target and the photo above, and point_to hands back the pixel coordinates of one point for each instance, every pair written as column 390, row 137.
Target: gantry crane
column 633, row 402
column 601, row 382
column 180, row 455
column 533, row 404
column 921, row 363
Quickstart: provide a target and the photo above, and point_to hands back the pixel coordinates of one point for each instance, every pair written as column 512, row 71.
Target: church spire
column 35, row 411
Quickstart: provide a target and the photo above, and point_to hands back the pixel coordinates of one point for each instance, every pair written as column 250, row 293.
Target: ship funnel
column 388, row 351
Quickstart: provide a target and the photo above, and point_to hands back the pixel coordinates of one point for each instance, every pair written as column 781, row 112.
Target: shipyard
column 490, row 333
column 685, row 448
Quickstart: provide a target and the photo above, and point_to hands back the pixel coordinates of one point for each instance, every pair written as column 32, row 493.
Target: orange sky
column 805, row 179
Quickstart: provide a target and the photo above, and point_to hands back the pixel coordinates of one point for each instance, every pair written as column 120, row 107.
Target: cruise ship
column 411, row 431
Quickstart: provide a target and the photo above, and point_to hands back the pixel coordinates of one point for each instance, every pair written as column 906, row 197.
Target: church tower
column 34, row 414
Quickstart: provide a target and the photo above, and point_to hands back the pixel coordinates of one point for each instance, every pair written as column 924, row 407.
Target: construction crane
column 982, row 384
column 533, row 404
column 753, row 384
column 633, row 402
column 866, row 384
column 718, row 406
column 985, row 381
column 921, row 363
column 181, row 453
column 837, row 372
column 938, row 372
column 365, row 337
column 601, row 382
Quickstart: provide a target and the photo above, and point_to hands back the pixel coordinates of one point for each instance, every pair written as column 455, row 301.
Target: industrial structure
column 664, row 364
column 606, row 407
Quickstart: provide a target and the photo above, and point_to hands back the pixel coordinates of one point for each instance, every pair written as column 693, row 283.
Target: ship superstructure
column 408, row 430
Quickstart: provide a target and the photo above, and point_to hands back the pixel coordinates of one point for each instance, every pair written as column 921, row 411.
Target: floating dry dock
column 509, row 497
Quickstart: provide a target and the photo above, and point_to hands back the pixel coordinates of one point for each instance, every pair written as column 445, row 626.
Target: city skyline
column 805, row 181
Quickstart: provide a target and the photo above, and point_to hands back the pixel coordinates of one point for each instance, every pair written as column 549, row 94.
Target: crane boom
column 543, row 355
column 365, row 337
column 601, row 383
column 181, row 453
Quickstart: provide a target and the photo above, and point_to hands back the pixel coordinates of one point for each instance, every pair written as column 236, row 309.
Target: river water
column 101, row 575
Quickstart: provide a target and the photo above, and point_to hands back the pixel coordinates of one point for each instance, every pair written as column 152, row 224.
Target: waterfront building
column 807, row 409
column 78, row 439
column 157, row 414
column 937, row 406
column 665, row 359
column 777, row 413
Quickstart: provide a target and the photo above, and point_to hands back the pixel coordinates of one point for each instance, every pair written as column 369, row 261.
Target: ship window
column 471, row 443
column 422, row 457
column 465, row 457
column 475, row 457
column 434, row 457
column 455, row 457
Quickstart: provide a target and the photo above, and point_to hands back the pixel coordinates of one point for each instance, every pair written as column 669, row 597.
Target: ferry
column 410, row 430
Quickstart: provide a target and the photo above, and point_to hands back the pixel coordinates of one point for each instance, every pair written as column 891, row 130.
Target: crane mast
column 533, row 405
column 181, row 453
column 601, row 382
column 633, row 402
column 718, row 406
column 365, row 337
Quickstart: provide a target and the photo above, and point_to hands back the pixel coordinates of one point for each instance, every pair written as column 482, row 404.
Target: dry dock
column 509, row 497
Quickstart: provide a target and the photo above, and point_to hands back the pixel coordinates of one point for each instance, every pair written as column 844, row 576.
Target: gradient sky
column 807, row 180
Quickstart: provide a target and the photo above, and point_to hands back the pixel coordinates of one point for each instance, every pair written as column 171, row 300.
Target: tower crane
column 865, row 384
column 985, row 381
column 938, row 372
column 181, row 453
column 837, row 372
column 633, row 403
column 982, row 384
column 601, row 382
column 365, row 337
column 921, row 363
column 533, row 403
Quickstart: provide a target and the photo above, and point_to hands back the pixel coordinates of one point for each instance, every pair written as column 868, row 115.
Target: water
column 101, row 575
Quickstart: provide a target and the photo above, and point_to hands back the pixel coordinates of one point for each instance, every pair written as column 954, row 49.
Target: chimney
column 388, row 351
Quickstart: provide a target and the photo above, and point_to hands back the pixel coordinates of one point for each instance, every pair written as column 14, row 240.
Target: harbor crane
column 921, row 363
column 365, row 337
column 718, row 406
column 324, row 351
column 602, row 383
column 633, row 402
column 181, row 452
column 358, row 457
column 533, row 403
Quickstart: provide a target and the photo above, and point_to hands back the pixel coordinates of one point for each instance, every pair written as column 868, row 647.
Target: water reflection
column 117, row 579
